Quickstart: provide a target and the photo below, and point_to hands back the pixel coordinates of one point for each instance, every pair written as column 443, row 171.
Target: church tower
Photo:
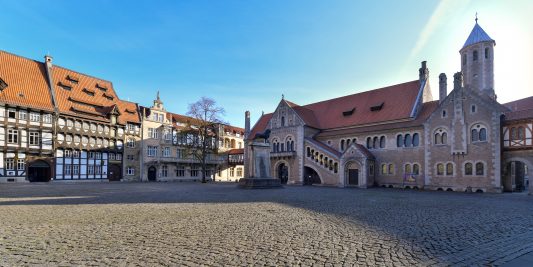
column 477, row 62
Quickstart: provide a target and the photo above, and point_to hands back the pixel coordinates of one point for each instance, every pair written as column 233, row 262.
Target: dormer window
column 3, row 84
column 101, row 87
column 109, row 97
column 89, row 92
column 73, row 79
column 65, row 87
column 348, row 112
column 377, row 107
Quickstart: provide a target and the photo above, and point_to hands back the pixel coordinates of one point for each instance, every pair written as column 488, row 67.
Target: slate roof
column 477, row 35
column 26, row 82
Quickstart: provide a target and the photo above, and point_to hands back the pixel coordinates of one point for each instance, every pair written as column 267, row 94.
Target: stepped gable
column 519, row 109
column 81, row 95
column 128, row 112
column 24, row 82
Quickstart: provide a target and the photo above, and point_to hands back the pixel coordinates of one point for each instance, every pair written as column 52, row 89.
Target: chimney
column 457, row 80
column 246, row 124
column 48, row 65
column 423, row 72
column 443, row 90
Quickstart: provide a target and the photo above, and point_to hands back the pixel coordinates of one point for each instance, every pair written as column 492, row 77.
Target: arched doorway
column 311, row 176
column 39, row 171
column 516, row 177
column 115, row 172
column 152, row 173
column 352, row 173
column 283, row 173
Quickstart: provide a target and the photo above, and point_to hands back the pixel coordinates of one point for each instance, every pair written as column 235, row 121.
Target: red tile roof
column 26, row 82
column 236, row 151
column 260, row 125
column 128, row 112
column 520, row 109
column 397, row 104
column 80, row 99
column 398, row 101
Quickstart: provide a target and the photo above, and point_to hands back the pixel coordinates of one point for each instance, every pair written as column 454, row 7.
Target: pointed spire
column 477, row 35
column 282, row 96
column 158, row 99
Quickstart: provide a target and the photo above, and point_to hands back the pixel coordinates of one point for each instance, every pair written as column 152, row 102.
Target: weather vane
column 476, row 17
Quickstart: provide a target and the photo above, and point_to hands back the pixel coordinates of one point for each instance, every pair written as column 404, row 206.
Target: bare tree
column 203, row 130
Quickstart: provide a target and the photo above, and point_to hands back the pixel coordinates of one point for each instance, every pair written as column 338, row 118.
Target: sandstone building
column 399, row 136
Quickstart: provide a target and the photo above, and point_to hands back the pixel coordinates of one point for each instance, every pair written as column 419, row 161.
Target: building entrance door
column 353, row 177
column 39, row 171
column 152, row 173
column 515, row 179
column 283, row 173
column 115, row 172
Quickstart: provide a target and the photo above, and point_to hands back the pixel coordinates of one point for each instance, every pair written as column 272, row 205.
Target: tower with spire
column 158, row 103
column 477, row 61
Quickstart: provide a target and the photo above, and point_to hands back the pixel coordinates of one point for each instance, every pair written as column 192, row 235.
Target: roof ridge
column 19, row 56
column 364, row 92
column 80, row 73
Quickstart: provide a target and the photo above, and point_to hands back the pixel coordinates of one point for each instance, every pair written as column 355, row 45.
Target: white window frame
column 34, row 138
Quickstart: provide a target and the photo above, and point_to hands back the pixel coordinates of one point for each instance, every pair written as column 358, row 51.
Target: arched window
column 391, row 168
column 382, row 142
column 292, row 146
column 282, row 147
column 475, row 55
column 354, row 140
column 407, row 169
column 444, row 113
column 483, row 134
column 308, row 151
column 277, row 148
column 368, row 142
column 416, row 140
column 449, row 169
column 347, row 143
column 468, row 169
column 289, row 145
column 416, row 169
column 342, row 145
column 486, row 53
column 473, row 108
column 438, row 139
column 444, row 138
column 399, row 140
column 375, row 143
column 282, row 121
column 440, row 169
column 480, row 169
column 383, row 168
column 475, row 135
column 464, row 59
column 408, row 141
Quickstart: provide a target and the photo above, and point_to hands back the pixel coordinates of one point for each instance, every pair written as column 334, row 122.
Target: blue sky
column 246, row 54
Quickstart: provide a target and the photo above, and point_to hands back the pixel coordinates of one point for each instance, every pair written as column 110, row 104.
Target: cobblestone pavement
column 190, row 224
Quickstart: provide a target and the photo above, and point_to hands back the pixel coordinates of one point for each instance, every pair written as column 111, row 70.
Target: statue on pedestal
column 257, row 160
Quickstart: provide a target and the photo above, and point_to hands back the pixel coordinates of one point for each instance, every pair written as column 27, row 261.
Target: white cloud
column 444, row 10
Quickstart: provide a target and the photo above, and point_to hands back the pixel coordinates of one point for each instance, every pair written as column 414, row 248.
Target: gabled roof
column 83, row 93
column 26, row 82
column 260, row 125
column 387, row 104
column 128, row 112
column 520, row 109
column 477, row 35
